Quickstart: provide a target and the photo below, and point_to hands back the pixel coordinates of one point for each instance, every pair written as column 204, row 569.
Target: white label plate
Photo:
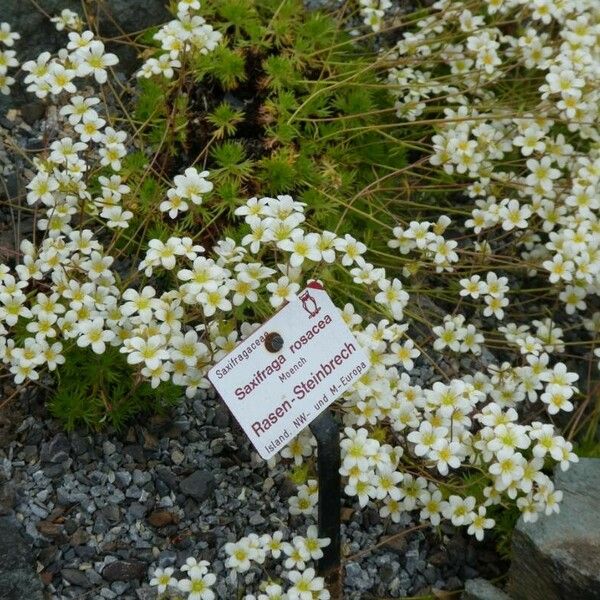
column 274, row 395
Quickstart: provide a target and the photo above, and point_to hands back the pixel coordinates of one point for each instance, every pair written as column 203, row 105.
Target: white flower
column 480, row 523
column 357, row 447
column 531, row 141
column 174, row 204
column 302, row 246
column 509, row 468
column 151, row 351
column 514, row 215
column 8, row 37
column 557, row 399
column 95, row 61
column 426, row 437
column 404, row 354
column 7, row 60
column 192, row 185
column 273, row 543
column 495, row 306
column 141, row 303
column 163, row 578
column 92, row 333
column 313, row 543
column 446, row 454
column 559, row 268
column 433, row 506
column 306, row 585
column 459, row 510
column 68, row 19
column 303, row 503
column 472, row 287
column 541, row 173
column 214, row 299
column 282, row 291
column 79, row 42
column 393, row 296
column 201, row 565
column 240, row 555
column 78, row 108
column 564, row 82
column 41, row 187
column 198, row 585
column 90, row 127
column 164, row 253
column 350, row 247
column 60, row 79
column 273, row 591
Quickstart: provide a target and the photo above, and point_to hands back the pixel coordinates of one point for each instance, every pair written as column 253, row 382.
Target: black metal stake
column 326, row 431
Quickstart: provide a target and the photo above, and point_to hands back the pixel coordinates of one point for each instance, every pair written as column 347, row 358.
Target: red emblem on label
column 309, row 304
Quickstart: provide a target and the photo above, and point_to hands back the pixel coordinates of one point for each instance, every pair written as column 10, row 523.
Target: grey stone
column 221, row 416
column 177, row 456
column 453, row 583
column 141, row 478
column 412, row 558
column 18, row 579
column 56, row 450
column 119, row 587
column 133, row 492
column 124, row 570
column 167, row 558
column 167, row 476
column 356, row 577
column 137, row 510
column 482, row 589
column 150, row 594
column 79, row 443
column 116, row 496
column 54, row 471
column 109, row 448
column 559, row 556
column 39, row 511
column 397, row 544
column 256, row 519
column 100, row 525
column 75, row 577
column 111, row 513
column 180, row 426
column 199, row 485
column 110, row 537
column 123, row 478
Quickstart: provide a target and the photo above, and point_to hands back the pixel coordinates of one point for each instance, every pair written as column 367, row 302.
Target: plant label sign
column 289, row 370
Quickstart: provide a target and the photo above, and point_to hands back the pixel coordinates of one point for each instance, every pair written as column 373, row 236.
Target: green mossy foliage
column 97, row 389
column 288, row 103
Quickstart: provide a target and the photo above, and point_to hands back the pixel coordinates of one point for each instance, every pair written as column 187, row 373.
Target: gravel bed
column 102, row 510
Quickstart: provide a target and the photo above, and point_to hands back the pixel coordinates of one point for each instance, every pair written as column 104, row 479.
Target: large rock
column 113, row 17
column 18, row 578
column 558, row 557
